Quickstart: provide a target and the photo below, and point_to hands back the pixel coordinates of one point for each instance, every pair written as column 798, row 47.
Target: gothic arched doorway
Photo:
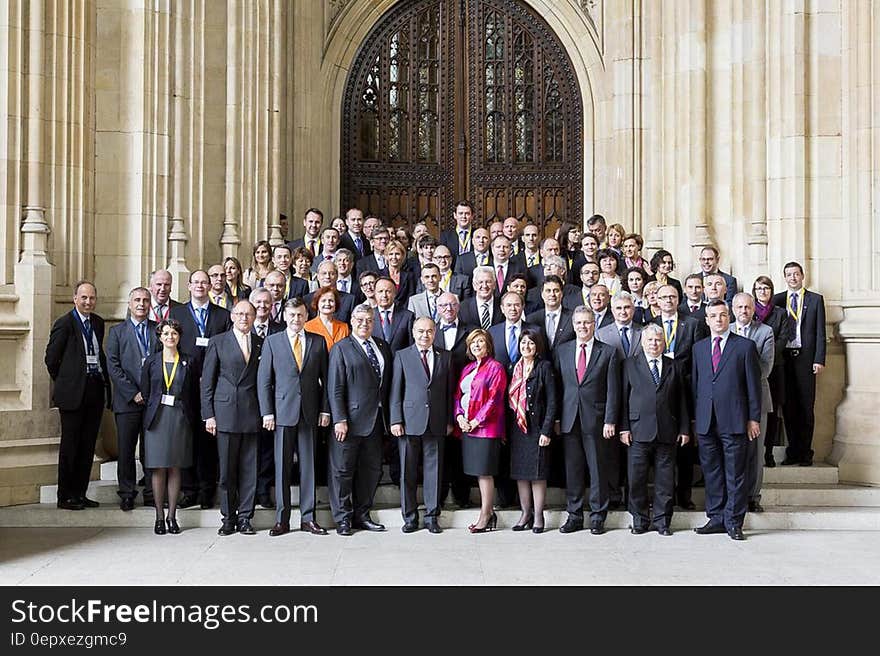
column 452, row 99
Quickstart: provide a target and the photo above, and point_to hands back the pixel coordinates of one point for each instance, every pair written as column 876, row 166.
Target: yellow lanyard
column 219, row 299
column 796, row 313
column 170, row 380
column 671, row 336
column 233, row 289
column 462, row 245
column 446, row 278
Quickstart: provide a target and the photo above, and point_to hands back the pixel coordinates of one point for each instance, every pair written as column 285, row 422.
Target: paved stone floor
column 133, row 556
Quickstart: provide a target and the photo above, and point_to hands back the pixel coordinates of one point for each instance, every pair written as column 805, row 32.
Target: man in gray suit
column 358, row 380
column 425, row 304
column 420, row 408
column 231, row 412
column 762, row 335
column 128, row 345
column 291, row 385
column 625, row 335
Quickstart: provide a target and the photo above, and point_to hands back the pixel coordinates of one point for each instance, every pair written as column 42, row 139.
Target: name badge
column 201, row 341
column 167, row 399
column 91, row 359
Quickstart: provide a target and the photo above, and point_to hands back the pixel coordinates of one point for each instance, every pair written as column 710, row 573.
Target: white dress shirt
column 577, row 351
column 376, row 350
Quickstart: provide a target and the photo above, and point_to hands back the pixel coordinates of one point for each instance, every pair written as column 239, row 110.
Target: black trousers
column 355, row 471
column 641, row 456
column 129, row 429
column 301, row 440
column 583, row 454
column 685, row 459
column 617, row 470
column 800, row 400
column 430, row 449
column 201, row 478
column 238, row 474
column 79, row 431
column 723, row 457
column 265, row 463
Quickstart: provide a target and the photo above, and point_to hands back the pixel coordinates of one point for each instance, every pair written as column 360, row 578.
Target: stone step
column 775, row 518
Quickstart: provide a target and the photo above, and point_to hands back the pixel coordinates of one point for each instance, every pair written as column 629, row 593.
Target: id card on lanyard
column 201, row 340
column 88, row 334
column 168, row 397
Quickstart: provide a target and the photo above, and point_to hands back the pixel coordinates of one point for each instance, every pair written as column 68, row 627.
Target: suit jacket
column 610, row 335
column 406, row 288
column 347, row 241
column 534, row 274
column 242, row 292
column 401, row 328
column 470, row 313
column 573, row 297
column 301, row 243
column 459, row 345
column 688, row 332
column 218, row 321
column 467, row 262
column 762, row 336
column 542, row 402
column 499, row 340
column 449, row 238
column 66, row 360
column 564, row 328
column 513, row 267
column 284, row 390
column 125, row 361
column 699, row 314
column 654, row 412
column 343, row 312
column 812, row 324
column 732, row 394
column 274, row 327
column 356, row 394
column 153, row 386
column 299, row 287
column 229, row 384
column 460, row 285
column 369, row 263
column 783, row 328
column 730, row 281
column 418, row 305
column 422, row 405
column 596, row 399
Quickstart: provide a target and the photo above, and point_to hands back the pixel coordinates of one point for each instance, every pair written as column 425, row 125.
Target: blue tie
column 655, row 373
column 794, row 303
column 358, row 245
column 386, row 327
column 670, row 338
column 624, row 340
column 512, row 346
column 374, row 361
column 142, row 338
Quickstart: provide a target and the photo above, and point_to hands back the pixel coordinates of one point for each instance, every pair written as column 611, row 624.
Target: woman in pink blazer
column 480, row 419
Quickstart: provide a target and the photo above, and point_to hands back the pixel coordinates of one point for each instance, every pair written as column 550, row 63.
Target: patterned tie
column 484, row 317
column 425, row 364
column 551, row 327
column 359, row 245
column 432, row 307
column 624, row 340
column 297, row 352
column 716, row 354
column 500, row 278
column 582, row 363
column 794, row 304
column 668, row 335
column 462, row 244
column 344, row 284
column 512, row 346
column 380, row 261
column 261, row 330
column 312, row 246
column 655, row 373
column 386, row 325
column 203, row 316
column 531, row 261
column 374, row 361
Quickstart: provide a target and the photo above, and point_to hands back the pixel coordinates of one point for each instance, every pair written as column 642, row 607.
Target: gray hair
column 653, row 329
column 623, row 296
column 344, row 252
column 259, row 290
column 363, row 308
column 583, row 309
column 483, row 269
column 555, row 260
column 138, row 289
column 744, row 295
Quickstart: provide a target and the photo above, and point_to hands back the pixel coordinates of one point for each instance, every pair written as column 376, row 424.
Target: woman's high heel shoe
column 159, row 528
column 491, row 525
column 173, row 526
column 526, row 525
column 538, row 529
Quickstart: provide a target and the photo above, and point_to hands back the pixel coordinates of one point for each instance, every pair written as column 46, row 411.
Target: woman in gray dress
column 172, row 401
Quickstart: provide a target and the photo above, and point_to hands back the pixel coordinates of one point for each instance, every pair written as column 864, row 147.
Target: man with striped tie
column 160, row 295
column 726, row 384
column 482, row 309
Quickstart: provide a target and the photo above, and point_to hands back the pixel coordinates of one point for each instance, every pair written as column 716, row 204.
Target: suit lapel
column 725, row 354
column 356, row 344
column 591, row 364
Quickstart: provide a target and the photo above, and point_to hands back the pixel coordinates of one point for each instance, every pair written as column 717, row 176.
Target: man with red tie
column 160, row 295
column 312, row 222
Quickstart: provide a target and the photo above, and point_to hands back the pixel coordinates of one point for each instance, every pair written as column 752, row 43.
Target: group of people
column 488, row 355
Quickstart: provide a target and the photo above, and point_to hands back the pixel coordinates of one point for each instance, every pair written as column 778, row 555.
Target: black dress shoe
column 173, row 526
column 638, row 530
column 279, row 529
column 755, row 507
column 368, row 524
column 126, row 504
column 265, row 501
column 312, row 527
column 410, row 527
column 769, row 461
column 245, row 528
column 433, row 526
column 344, row 528
column 70, row 504
column 789, row 461
column 227, row 528
column 616, row 505
column 206, row 504
column 664, row 530
column 149, row 502
column 159, row 527
column 736, row 534
column 571, row 525
column 88, row 503
column 805, row 463
column 709, row 528
column 597, row 528
column 187, row 501
column 687, row 505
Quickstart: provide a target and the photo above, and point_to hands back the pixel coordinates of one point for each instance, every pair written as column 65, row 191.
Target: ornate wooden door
column 452, row 99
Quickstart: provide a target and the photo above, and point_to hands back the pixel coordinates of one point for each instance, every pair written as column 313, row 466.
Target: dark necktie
column 261, row 330
column 425, row 364
column 794, row 304
column 513, row 346
column 669, row 336
column 716, row 354
column 90, row 346
column 386, row 326
column 142, row 338
column 582, row 363
column 624, row 340
column 655, row 373
column 484, row 317
column 374, row 361
column 359, row 245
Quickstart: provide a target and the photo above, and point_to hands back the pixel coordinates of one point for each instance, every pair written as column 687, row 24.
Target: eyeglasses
column 362, row 320
column 445, row 305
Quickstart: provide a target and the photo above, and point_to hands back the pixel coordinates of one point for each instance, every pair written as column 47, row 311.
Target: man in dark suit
column 654, row 417
column 231, row 412
column 375, row 261
column 600, row 304
column 505, row 336
column 726, row 384
column 420, row 408
column 804, row 360
column 457, row 283
column 291, row 383
column 459, row 239
column 160, row 295
column 530, row 253
column 503, row 266
column 480, row 255
column 81, row 388
column 200, row 320
column 358, row 380
column 709, row 266
column 294, row 287
column 327, row 276
column 590, row 375
column 483, row 308
column 128, row 345
column 392, row 324
column 312, row 222
column 329, row 245
column 346, row 281
column 580, row 294
column 554, row 320
column 680, row 332
column 510, row 230
column 693, row 304
column 354, row 238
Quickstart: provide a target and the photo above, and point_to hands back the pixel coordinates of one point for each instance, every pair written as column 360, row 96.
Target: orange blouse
column 340, row 330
